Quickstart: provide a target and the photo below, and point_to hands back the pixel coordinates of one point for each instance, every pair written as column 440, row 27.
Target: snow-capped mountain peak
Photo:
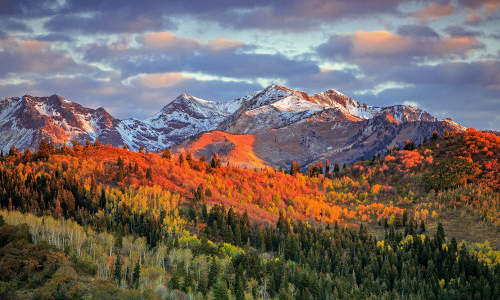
column 24, row 121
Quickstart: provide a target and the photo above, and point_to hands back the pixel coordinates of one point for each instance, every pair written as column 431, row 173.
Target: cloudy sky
column 133, row 57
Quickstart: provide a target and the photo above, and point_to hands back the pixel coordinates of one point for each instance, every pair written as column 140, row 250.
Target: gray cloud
column 14, row 25
column 101, row 22
column 417, row 31
column 31, row 56
column 103, row 16
column 54, row 37
column 458, row 31
column 161, row 53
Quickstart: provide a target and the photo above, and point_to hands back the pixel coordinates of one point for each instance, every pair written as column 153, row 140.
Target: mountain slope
column 285, row 125
column 289, row 125
column 25, row 121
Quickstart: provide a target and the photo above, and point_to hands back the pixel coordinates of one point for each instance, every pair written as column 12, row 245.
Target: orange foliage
column 241, row 153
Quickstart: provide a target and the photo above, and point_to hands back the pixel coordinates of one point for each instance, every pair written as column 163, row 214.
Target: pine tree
column 422, row 226
column 136, row 275
column 174, row 283
column 102, row 199
column 440, row 236
column 410, row 145
column 213, row 273
column 215, row 161
column 117, row 273
column 13, row 150
column 149, row 174
column 221, row 291
column 336, row 168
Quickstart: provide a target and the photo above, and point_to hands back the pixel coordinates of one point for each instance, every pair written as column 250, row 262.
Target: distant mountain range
column 282, row 124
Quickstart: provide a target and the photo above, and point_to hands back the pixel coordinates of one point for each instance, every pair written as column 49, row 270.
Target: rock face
column 283, row 125
column 25, row 121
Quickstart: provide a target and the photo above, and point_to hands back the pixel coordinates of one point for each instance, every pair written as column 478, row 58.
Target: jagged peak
column 332, row 91
column 190, row 98
column 275, row 86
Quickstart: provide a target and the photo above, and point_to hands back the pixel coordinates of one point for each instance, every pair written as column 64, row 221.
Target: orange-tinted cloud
column 373, row 49
column 480, row 10
column 159, row 80
column 383, row 43
column 166, row 40
column 221, row 44
column 434, row 12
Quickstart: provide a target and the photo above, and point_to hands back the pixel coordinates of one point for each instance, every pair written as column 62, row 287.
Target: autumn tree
column 43, row 152
column 294, row 169
column 167, row 154
column 435, row 135
column 410, row 145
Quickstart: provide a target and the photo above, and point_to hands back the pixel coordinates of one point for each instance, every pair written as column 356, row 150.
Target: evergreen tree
column 336, row 168
column 215, row 161
column 149, row 174
column 174, row 282
column 410, row 145
column 327, row 168
column 117, row 273
column 220, row 290
column 213, row 273
column 422, row 226
column 136, row 275
column 13, row 150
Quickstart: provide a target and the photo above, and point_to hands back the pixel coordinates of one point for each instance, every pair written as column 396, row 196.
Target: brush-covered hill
column 459, row 169
column 148, row 225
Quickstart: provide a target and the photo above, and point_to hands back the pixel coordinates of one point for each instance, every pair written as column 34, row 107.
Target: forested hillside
column 157, row 225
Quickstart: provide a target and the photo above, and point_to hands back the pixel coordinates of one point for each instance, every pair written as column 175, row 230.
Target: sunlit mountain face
column 241, row 150
column 275, row 126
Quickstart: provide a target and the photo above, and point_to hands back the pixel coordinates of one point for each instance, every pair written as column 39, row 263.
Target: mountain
column 276, row 125
column 24, row 121
column 287, row 125
column 184, row 117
